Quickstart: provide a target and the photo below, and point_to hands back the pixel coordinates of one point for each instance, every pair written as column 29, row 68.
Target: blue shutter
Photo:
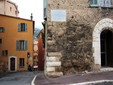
column 25, row 45
column 25, row 27
column 17, row 45
column 19, row 27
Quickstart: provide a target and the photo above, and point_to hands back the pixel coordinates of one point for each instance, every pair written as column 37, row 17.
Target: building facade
column 8, row 8
column 79, row 35
column 41, row 51
column 16, row 43
column 35, row 55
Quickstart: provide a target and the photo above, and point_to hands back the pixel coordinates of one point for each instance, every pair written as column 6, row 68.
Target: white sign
column 58, row 15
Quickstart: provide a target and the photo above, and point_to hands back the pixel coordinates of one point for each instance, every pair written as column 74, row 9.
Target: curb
column 32, row 82
column 93, row 82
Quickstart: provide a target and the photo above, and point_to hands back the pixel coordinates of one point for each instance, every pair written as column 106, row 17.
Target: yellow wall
column 10, row 36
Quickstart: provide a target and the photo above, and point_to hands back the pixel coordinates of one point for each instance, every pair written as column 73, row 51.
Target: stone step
column 54, row 74
column 55, row 54
column 50, row 69
column 52, row 59
column 51, row 42
column 53, row 64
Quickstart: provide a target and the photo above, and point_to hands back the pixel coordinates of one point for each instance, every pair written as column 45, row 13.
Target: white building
column 8, row 8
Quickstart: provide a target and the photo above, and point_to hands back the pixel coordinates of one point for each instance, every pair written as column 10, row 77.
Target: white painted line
column 92, row 82
column 32, row 83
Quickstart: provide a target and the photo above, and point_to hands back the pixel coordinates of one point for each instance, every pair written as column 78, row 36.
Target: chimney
column 31, row 16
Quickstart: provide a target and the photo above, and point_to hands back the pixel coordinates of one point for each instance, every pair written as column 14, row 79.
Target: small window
column 10, row 8
column 0, row 41
column 2, row 29
column 93, row 2
column 101, row 3
column 21, row 62
column 21, row 44
column 4, row 52
column 22, row 27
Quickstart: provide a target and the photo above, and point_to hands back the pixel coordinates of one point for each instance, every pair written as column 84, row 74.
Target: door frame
column 9, row 59
column 104, row 24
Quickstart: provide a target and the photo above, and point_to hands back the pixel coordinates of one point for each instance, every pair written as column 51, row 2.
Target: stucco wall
column 8, row 8
column 73, row 38
column 10, row 36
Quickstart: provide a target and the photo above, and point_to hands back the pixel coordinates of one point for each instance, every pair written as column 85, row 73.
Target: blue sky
column 26, row 7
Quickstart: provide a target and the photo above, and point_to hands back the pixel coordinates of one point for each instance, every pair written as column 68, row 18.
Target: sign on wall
column 58, row 15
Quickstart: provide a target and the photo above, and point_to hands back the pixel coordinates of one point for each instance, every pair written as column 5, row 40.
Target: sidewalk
column 74, row 79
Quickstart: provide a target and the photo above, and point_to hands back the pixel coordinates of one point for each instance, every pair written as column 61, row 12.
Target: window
column 101, row 3
column 45, row 8
column 4, row 52
column 21, row 44
column 93, row 2
column 0, row 41
column 21, row 60
column 22, row 27
column 10, row 8
column 2, row 29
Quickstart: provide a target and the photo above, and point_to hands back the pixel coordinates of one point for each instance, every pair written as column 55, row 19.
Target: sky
column 26, row 7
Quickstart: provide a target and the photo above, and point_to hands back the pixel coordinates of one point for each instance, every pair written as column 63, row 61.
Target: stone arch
column 104, row 24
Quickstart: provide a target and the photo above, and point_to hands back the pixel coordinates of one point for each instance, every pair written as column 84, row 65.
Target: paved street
column 17, row 78
column 74, row 79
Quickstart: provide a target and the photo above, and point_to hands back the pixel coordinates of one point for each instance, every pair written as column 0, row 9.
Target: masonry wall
column 73, row 38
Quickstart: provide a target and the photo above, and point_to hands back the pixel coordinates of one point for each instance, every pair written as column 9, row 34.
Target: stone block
column 53, row 64
column 50, row 42
column 56, row 54
column 50, row 69
column 51, row 59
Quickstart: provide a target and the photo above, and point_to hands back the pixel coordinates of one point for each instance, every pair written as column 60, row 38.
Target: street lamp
column 28, row 54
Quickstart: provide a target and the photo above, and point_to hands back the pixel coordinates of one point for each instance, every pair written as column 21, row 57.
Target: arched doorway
column 106, row 42
column 104, row 24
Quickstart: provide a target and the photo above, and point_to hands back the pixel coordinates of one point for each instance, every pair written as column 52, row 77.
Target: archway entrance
column 103, row 28
column 106, row 39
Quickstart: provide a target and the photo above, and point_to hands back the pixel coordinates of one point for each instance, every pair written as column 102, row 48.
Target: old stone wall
column 73, row 38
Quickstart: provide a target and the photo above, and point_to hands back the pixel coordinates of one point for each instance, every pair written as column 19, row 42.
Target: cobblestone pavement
column 73, row 79
column 17, row 78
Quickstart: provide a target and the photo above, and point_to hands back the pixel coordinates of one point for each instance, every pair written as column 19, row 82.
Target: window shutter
column 3, row 29
column 25, row 27
column 17, row 45
column 26, row 45
column 19, row 27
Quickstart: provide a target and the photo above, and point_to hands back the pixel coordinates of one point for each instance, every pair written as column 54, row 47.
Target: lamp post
column 28, row 56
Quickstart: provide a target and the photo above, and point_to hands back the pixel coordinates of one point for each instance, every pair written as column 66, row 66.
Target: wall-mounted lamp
column 28, row 54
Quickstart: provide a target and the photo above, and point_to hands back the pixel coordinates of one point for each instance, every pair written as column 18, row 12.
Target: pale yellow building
column 8, row 8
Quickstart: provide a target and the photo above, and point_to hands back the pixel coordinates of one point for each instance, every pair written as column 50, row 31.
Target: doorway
column 12, row 64
column 106, row 38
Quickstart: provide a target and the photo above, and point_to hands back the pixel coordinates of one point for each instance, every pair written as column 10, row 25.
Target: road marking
column 32, row 83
